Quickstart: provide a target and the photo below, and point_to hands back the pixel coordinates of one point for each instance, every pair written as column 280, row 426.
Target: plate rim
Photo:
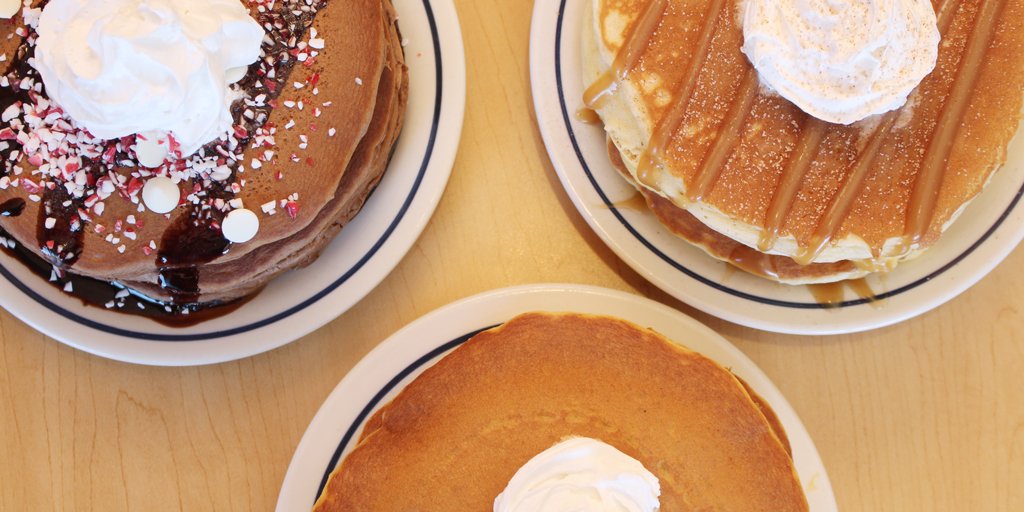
column 410, row 220
column 405, row 347
column 565, row 153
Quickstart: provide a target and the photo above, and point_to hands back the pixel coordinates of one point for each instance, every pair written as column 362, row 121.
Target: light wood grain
column 926, row 415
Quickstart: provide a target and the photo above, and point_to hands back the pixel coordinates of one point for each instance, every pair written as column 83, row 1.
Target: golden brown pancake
column 695, row 127
column 326, row 158
column 455, row 436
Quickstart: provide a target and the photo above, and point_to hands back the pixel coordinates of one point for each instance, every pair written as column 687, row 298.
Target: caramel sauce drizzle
column 792, row 177
column 832, row 295
column 924, row 198
column 669, row 123
column 635, row 202
column 841, row 204
column 754, row 262
column 728, row 138
column 587, row 116
column 628, row 56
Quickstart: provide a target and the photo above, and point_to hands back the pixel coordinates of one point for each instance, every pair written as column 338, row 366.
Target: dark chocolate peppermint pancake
column 319, row 114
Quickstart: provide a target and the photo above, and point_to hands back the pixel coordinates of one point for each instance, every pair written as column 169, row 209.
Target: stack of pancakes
column 456, row 435
column 327, row 158
column 746, row 175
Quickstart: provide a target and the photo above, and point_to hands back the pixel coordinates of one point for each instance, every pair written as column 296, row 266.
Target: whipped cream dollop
column 842, row 61
column 581, row 474
column 123, row 67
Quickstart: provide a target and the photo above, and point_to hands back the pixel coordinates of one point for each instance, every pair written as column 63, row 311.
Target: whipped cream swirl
column 581, row 474
column 842, row 61
column 122, row 67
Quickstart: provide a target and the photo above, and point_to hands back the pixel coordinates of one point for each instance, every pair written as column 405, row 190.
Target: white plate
column 986, row 233
column 397, row 361
column 356, row 262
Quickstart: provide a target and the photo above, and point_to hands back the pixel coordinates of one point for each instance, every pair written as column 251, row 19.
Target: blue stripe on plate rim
column 27, row 290
column 712, row 283
column 350, row 433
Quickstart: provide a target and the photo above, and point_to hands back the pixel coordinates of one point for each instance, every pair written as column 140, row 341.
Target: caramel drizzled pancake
column 695, row 127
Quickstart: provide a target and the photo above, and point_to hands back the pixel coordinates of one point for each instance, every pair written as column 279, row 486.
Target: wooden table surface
column 926, row 415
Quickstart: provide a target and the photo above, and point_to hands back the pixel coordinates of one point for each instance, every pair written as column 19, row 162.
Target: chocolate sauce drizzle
column 192, row 240
column 62, row 242
column 107, row 295
column 12, row 207
column 11, row 95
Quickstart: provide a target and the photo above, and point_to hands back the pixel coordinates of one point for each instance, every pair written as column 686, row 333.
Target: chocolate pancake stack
column 315, row 123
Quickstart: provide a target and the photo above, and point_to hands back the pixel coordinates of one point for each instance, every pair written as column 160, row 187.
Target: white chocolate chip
column 151, row 149
column 240, row 226
column 161, row 195
column 8, row 8
column 234, row 75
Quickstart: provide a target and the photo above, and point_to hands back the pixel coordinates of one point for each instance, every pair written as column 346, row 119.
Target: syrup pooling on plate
column 874, row 139
column 588, row 116
column 833, row 295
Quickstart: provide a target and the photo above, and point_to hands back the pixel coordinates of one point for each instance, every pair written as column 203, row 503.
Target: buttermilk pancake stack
column 801, row 143
column 191, row 151
column 586, row 412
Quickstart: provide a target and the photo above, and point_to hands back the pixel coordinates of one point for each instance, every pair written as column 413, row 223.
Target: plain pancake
column 351, row 124
column 757, row 146
column 453, row 438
